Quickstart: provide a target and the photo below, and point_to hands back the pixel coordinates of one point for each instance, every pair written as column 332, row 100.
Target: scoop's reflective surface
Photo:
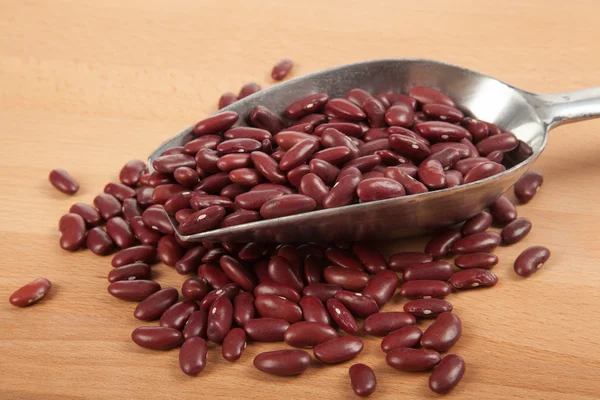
column 528, row 115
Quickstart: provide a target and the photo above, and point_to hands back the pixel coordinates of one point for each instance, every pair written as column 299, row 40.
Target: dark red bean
column 453, row 178
column 248, row 89
column 313, row 186
column 163, row 193
column 63, row 182
column 186, row 176
column 287, row 205
column 214, row 275
column 411, row 185
column 120, row 232
column 477, row 224
column 374, row 189
column 169, row 251
column 89, row 213
column 252, row 251
column 388, row 157
column 346, row 278
column 307, row 105
column 431, row 271
column 242, row 145
column 375, row 111
column 409, row 147
column 278, row 290
column 342, row 316
column 220, row 317
column 131, row 172
column 376, row 134
column 144, row 234
column 214, row 184
column 358, row 96
column 467, row 164
column 207, row 159
column 476, row 260
column 395, row 98
column 342, row 108
column 447, row 374
column 156, row 304
column 483, row 171
column 156, row 337
column 298, row 154
column 155, row 178
column 309, row 334
column 281, row 69
column 272, row 306
column 201, row 201
column 246, row 132
column 99, row 242
column 237, row 273
column 503, row 142
column 443, row 112
column 263, row 118
column 227, row 99
column 216, row 123
column 362, row 380
column 192, row 356
column 73, row 233
column 530, row 260
column 339, row 350
column 144, row 253
column 408, row 133
column 31, row 293
column 194, row 288
column 527, row 186
column 230, row 162
column 108, row 206
column 400, row 114
column 482, row 242
column 443, row 333
column 295, row 175
column 233, row 190
column 280, row 271
column 463, row 150
column 448, row 157
column 427, row 308
column 515, row 231
column 190, row 260
column 473, row 278
column 240, row 217
column 438, row 131
column 245, row 176
column 343, row 193
column 129, row 272
column 177, row 315
column 168, row 164
column 382, row 287
column 371, row 259
column 196, row 325
column 335, row 155
column 503, row 210
column 322, row 291
column 324, row 170
column 382, row 323
column 283, row 362
column 203, row 220
column 478, row 129
column 347, row 128
column 288, row 139
column 313, row 310
column 131, row 209
column 431, row 173
column 266, row 329
column 332, row 138
column 359, row 305
column 234, row 344
column 144, row 196
column 496, row 156
column 412, row 360
column 407, row 336
column 243, row 308
column 204, row 142
column 425, row 289
column 403, row 259
column 315, row 119
column 427, row 95
column 442, row 243
column 351, row 171
column 135, row 290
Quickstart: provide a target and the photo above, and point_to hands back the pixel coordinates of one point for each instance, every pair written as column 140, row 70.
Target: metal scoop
column 529, row 116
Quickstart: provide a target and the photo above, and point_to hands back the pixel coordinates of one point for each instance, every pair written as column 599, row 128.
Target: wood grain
column 88, row 85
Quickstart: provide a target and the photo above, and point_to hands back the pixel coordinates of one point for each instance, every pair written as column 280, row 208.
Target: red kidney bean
column 190, row 260
column 530, row 260
column 382, row 323
column 395, row 98
column 243, row 308
column 240, row 217
column 288, row 139
column 177, row 315
column 129, row 272
column 155, row 178
column 442, row 243
column 400, row 114
column 283, row 362
column 144, row 196
column 192, row 356
column 233, row 190
column 346, row 278
column 246, row 132
column 362, row 380
column 314, row 187
column 107, row 205
column 216, row 123
column 374, row 189
column 272, row 306
column 388, row 157
column 305, row 127
column 207, row 159
column 168, row 164
column 407, row 336
column 443, row 333
column 496, row 156
column 335, row 155
column 408, row 133
column 443, row 112
column 135, row 290
column 203, row 220
column 478, row 129
column 196, row 325
column 245, row 176
column 427, row 308
column 263, row 118
column 431, row 271
column 503, row 210
column 186, row 176
column 194, row 288
column 358, row 96
column 227, row 99
column 359, row 305
column 467, row 164
column 314, row 119
column 322, row 291
column 332, row 138
column 503, row 142
column 473, row 278
column 72, row 228
column 213, row 184
column 483, row 171
column 373, row 174
column 309, row 334
column 412, row 360
column 201, row 201
column 351, row 171
column 338, row 350
column 431, row 173
column 230, row 162
column 242, row 145
column 342, row 316
column 425, row 289
column 462, row 149
column 347, row 128
column 438, row 131
column 63, row 182
column 87, row 212
column 278, row 290
column 156, row 218
column 371, row 259
column 527, row 186
column 448, row 157
column 515, row 231
column 156, row 304
column 307, row 105
column 342, row 193
column 143, row 253
column 375, row 111
column 409, row 147
column 120, row 232
column 219, row 319
column 280, row 271
column 237, row 273
column 310, row 249
column 476, row 260
column 252, row 251
column 131, row 209
column 131, row 172
column 342, row 108
column 453, row 178
column 427, row 95
column 98, row 241
column 477, row 224
column 215, row 276
column 324, row 170
column 169, row 251
column 287, row 205
column 447, row 374
column 204, row 142
column 248, row 89
column 31, row 293
column 403, row 259
column 376, row 134
column 295, row 175
column 234, row 344
column 482, row 242
column 313, row 310
column 163, row 193
column 382, row 287
column 156, row 337
column 266, row 329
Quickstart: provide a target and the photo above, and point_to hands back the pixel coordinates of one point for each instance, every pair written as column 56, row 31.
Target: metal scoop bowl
column 529, row 116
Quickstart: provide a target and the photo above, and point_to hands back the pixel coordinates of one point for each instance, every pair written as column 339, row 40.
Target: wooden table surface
column 88, row 85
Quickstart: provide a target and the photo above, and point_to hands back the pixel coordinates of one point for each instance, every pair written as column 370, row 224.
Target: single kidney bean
column 309, row 334
column 120, row 232
column 237, row 273
column 331, row 138
column 234, row 344
column 515, row 231
column 359, row 305
column 213, row 184
column 473, row 278
column 463, row 149
column 99, row 242
column 374, row 189
column 232, row 190
column 343, row 258
column 342, row 316
column 227, row 99
column 156, row 304
column 376, row 133
column 388, row 157
column 427, row 95
column 129, row 272
column 370, row 258
column 219, row 319
column 156, row 337
column 483, row 171
column 409, row 147
column 266, row 329
column 87, row 212
column 531, row 259
column 207, row 159
column 375, row 111
column 431, row 173
column 230, row 162
column 313, row 310
column 280, row 271
column 241, row 145
column 108, row 205
column 313, row 186
column 442, row 243
column 373, row 174
column 168, row 164
column 399, row 261
column 465, row 165
column 527, row 186
column 201, row 201
column 477, row 224
column 31, row 293
column 169, row 251
column 288, row 139
column 448, row 157
column 432, row 271
column 407, row 132
column 144, row 196
column 447, row 374
column 131, row 172
column 215, row 276
column 213, row 255
column 245, row 176
column 307, row 105
column 287, row 205
column 342, row 108
column 263, row 118
column 194, row 288
column 311, row 249
column 478, row 129
column 192, row 356
column 155, row 178
column 63, row 182
column 496, row 156
column 335, row 155
column 322, row 291
column 136, row 290
column 314, row 119
column 143, row 253
column 339, row 350
column 425, row 289
column 240, row 217
column 347, row 128
column 453, row 178
column 298, row 154
column 343, row 193
column 350, row 171
column 177, row 315
column 144, row 234
column 407, row 336
column 382, row 287
column 443, row 112
column 190, row 260
column 412, row 360
column 283, row 362
column 400, row 114
column 243, row 308
column 346, row 278
column 382, row 323
column 427, row 308
column 131, row 209
column 196, row 325
column 503, row 210
column 186, row 176
column 443, row 333
column 482, row 242
column 252, row 251
column 295, row 175
column 278, row 290
column 476, row 260
column 358, row 96
column 204, row 142
column 439, row 131
column 162, row 193
column 362, row 380
column 72, row 228
column 216, row 123
column 248, row 89
column 272, row 306
column 203, row 220
column 324, row 170
column 503, row 142
column 395, row 98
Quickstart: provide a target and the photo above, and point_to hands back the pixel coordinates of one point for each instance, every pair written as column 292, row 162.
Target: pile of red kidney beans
column 334, row 152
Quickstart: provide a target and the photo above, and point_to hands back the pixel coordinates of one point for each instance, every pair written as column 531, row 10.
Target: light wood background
column 87, row 85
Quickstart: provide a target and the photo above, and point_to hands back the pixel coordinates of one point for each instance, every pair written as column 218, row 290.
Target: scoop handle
column 563, row 108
